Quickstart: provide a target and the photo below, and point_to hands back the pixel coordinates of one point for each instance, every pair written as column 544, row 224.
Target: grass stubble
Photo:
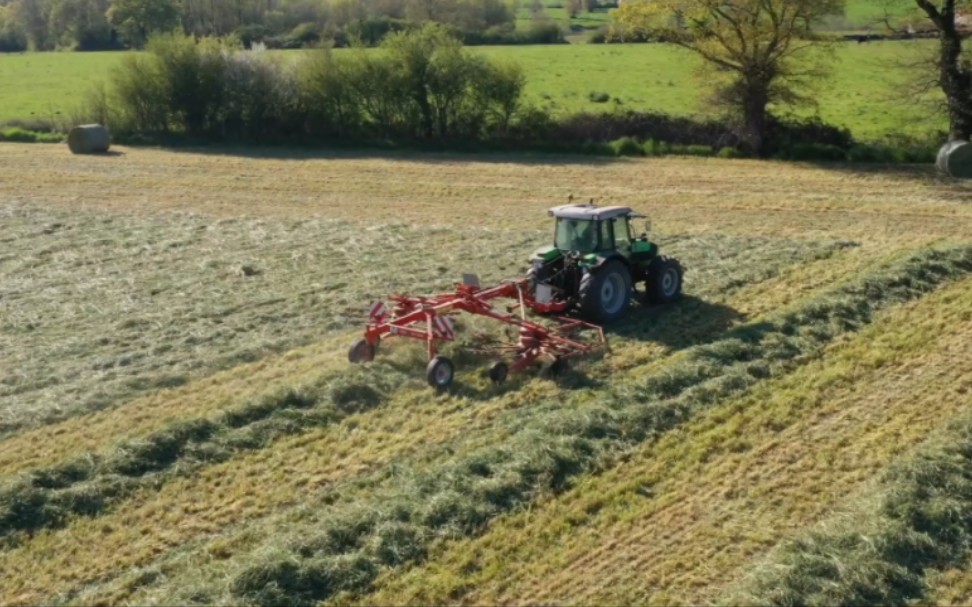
column 744, row 226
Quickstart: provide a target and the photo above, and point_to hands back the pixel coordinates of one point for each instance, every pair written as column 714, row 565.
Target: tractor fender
column 546, row 254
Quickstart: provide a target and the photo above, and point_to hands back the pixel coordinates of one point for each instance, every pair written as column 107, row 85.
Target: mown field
column 870, row 91
column 179, row 423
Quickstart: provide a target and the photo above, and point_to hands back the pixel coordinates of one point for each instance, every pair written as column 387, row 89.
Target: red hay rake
column 430, row 318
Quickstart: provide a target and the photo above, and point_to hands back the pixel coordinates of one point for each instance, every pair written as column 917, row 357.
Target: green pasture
column 870, row 90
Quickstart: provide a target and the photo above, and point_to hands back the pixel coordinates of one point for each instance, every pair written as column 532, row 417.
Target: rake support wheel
column 440, row 372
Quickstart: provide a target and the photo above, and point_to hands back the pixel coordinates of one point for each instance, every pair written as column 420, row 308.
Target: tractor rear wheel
column 440, row 372
column 605, row 293
column 664, row 284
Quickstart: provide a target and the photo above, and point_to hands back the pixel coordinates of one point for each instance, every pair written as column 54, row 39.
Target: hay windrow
column 922, row 522
column 545, row 453
column 91, row 483
column 163, row 304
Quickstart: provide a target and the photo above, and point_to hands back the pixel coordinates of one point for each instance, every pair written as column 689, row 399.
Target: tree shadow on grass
column 429, row 156
column 910, row 173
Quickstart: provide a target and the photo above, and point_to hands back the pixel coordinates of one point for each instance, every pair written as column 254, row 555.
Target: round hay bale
column 89, row 139
column 955, row 159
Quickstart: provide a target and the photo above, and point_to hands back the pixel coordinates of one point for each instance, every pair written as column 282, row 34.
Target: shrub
column 784, row 134
column 261, row 100
column 598, row 36
column 542, row 32
column 627, row 146
column 371, row 32
column 17, row 134
column 729, row 152
column 13, row 39
column 691, row 150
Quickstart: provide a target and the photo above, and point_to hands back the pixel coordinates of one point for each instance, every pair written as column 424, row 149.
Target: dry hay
column 89, row 139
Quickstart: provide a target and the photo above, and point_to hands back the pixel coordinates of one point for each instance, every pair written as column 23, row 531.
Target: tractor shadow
column 689, row 322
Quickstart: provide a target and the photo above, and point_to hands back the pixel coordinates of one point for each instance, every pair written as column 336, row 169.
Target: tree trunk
column 754, row 117
column 955, row 77
column 956, row 82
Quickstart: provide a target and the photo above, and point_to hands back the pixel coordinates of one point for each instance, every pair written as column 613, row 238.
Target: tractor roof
column 589, row 211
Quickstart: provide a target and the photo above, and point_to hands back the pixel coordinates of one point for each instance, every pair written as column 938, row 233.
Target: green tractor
column 595, row 262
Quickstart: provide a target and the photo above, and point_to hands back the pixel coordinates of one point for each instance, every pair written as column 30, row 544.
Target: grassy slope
column 751, row 233
column 678, row 522
column 867, row 93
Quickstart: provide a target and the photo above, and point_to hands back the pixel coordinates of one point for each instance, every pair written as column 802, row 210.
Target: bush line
column 90, row 484
column 547, row 450
column 422, row 90
column 924, row 521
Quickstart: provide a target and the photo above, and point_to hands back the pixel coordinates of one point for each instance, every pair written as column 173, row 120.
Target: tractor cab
column 591, row 229
column 596, row 260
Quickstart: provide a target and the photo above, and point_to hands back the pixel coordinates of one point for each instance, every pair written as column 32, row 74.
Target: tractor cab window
column 622, row 235
column 575, row 235
column 607, row 240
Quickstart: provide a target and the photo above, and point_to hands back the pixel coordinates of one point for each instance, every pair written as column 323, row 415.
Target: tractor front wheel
column 440, row 372
column 664, row 284
column 605, row 292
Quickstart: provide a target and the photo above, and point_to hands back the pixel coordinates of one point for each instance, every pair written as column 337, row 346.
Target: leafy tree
column 954, row 67
column 13, row 38
column 32, row 18
column 500, row 89
column 757, row 49
column 82, row 24
column 137, row 19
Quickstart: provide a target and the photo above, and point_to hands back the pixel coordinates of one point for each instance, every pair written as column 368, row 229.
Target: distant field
column 860, row 15
column 178, row 429
column 49, row 86
column 868, row 92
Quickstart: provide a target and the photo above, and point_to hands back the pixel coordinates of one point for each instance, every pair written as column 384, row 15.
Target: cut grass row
column 142, row 527
column 49, row 497
column 922, row 522
column 719, row 266
column 160, row 582
column 683, row 518
column 548, row 452
column 168, row 299
column 570, row 447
